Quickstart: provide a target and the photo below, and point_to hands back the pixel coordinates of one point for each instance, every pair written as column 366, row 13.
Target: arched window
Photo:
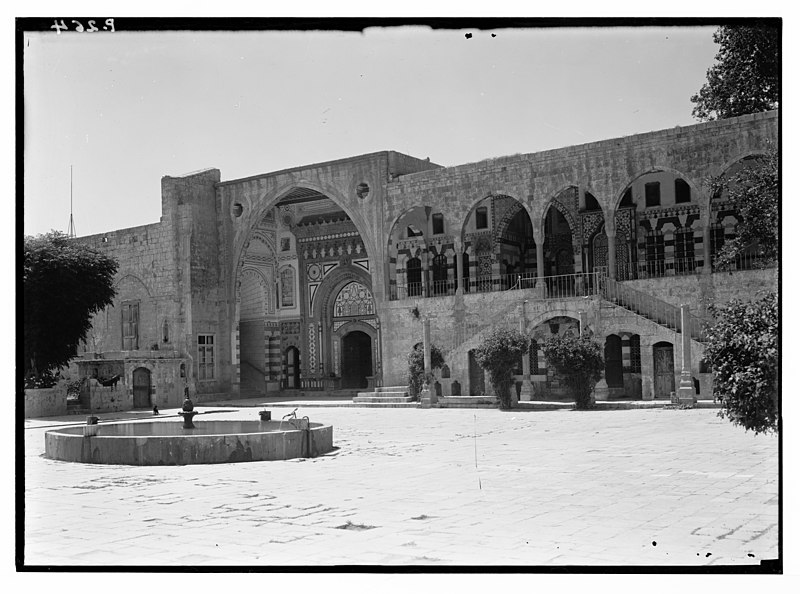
column 414, row 277
column 165, row 331
column 354, row 299
column 440, row 275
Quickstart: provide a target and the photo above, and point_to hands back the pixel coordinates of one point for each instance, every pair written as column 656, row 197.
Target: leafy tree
column 416, row 366
column 499, row 354
column 754, row 191
column 743, row 352
column 745, row 78
column 579, row 360
column 65, row 282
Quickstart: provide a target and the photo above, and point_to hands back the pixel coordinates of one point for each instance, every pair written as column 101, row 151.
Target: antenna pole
column 71, row 229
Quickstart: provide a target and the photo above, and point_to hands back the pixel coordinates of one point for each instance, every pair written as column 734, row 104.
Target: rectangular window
column 438, row 224
column 130, row 326
column 205, row 356
column 655, row 256
column 684, row 251
column 636, row 354
column 683, row 193
column 481, row 218
column 652, row 194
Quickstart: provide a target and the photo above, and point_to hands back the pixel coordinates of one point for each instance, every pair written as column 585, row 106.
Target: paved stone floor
column 427, row 487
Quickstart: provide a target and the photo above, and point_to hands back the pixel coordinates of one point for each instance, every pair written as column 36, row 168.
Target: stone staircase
column 385, row 395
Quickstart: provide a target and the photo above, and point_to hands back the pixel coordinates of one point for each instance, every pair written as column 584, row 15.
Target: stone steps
column 384, row 395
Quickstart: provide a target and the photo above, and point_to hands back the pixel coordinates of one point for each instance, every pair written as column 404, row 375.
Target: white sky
column 125, row 109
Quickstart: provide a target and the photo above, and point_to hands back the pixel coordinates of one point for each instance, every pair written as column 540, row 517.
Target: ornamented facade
column 305, row 279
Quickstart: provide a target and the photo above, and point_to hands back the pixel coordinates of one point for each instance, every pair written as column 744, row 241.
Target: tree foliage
column 754, row 191
column 416, row 366
column 65, row 282
column 579, row 360
column 745, row 78
column 743, row 353
column 499, row 354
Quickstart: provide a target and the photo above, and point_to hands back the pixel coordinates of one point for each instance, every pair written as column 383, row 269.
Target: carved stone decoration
column 591, row 224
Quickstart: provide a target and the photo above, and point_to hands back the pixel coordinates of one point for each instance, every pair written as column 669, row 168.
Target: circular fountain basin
column 167, row 442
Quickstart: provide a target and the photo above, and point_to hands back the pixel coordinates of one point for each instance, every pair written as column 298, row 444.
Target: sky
column 122, row 110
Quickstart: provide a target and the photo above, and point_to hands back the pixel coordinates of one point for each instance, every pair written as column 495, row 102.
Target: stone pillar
column 540, row 288
column 583, row 321
column 526, row 392
column 425, row 291
column 707, row 249
column 686, row 388
column 426, row 344
column 459, row 266
column 612, row 255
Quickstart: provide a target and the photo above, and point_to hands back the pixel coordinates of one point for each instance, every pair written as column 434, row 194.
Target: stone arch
column 743, row 156
column 136, row 280
column 477, row 202
column 268, row 200
column 697, row 189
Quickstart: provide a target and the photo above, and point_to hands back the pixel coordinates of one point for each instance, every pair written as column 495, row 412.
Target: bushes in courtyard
column 416, row 367
column 579, row 360
column 743, row 352
column 498, row 354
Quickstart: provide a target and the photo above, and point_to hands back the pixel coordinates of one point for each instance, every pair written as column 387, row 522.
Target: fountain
column 165, row 442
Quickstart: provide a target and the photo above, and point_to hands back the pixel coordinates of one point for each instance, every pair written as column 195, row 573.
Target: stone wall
column 46, row 402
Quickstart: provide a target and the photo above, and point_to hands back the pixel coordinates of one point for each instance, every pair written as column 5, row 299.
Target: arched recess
column 546, row 381
column 296, row 237
column 659, row 207
column 562, row 244
column 498, row 244
column 344, row 298
column 408, row 243
column 725, row 215
column 356, row 347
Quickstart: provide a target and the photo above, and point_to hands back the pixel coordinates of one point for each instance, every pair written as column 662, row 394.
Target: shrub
column 579, row 360
column 499, row 354
column 743, row 352
column 416, row 367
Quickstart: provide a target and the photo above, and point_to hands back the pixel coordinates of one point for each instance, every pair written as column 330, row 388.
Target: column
column 424, row 257
column 540, row 289
column 459, row 266
column 686, row 387
column 707, row 249
column 526, row 392
column 611, row 234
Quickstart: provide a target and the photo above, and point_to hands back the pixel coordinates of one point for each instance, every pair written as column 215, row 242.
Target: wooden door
column 141, row 388
column 663, row 370
column 356, row 359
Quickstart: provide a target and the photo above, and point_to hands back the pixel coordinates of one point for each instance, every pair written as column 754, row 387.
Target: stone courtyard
column 439, row 487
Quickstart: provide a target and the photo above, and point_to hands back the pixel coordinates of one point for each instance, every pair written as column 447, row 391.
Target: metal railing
column 745, row 261
column 652, row 308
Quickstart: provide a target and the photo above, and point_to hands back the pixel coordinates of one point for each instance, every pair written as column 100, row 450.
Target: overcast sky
column 125, row 109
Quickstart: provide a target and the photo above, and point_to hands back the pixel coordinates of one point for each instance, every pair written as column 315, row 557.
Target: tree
column 499, row 354
column 579, row 360
column 754, row 191
column 416, row 366
column 746, row 76
column 743, row 352
column 65, row 282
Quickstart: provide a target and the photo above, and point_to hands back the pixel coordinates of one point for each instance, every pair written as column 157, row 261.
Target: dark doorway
column 663, row 370
column 291, row 369
column 141, row 388
column 477, row 386
column 613, row 356
column 356, row 359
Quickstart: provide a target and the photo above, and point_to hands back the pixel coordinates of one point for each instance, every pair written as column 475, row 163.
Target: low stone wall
column 46, row 402
column 109, row 399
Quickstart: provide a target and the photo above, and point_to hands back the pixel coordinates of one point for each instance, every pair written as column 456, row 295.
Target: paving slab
column 426, row 487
